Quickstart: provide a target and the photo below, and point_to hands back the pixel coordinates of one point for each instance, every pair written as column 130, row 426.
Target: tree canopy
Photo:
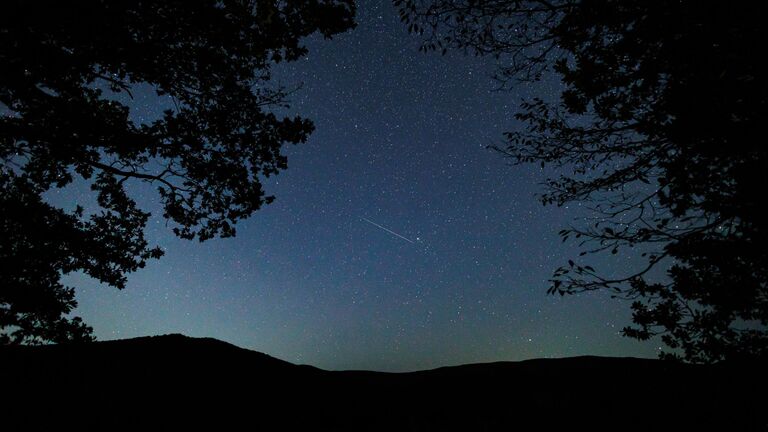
column 657, row 128
column 63, row 63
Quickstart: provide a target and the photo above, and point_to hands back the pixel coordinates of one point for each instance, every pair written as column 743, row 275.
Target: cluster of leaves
column 517, row 30
column 657, row 128
column 59, row 122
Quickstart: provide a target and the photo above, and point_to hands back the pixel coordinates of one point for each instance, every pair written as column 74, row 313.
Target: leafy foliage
column 657, row 127
column 63, row 63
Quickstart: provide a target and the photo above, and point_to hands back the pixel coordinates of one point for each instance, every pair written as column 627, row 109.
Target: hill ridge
column 137, row 381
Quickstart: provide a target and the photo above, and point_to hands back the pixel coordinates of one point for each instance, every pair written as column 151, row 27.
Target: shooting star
column 388, row 230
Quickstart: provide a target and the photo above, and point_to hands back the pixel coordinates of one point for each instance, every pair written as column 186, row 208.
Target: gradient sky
column 400, row 141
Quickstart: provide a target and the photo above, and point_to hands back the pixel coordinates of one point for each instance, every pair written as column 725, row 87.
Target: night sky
column 456, row 270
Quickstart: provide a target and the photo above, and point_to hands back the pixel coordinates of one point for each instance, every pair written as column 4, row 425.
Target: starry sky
column 396, row 242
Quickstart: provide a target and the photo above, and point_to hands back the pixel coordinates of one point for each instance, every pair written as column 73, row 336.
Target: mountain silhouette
column 180, row 382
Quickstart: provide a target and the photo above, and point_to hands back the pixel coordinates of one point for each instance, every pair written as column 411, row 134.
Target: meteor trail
column 387, row 230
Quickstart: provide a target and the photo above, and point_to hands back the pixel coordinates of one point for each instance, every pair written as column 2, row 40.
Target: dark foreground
column 175, row 382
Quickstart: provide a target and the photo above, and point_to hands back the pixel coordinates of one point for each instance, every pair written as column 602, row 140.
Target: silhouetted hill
column 175, row 382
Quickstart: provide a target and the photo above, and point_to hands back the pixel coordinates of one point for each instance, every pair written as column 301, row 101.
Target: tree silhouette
column 657, row 127
column 64, row 63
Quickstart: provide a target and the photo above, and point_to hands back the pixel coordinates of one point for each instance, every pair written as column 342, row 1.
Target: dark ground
column 175, row 382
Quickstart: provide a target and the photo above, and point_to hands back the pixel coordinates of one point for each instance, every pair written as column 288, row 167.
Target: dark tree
column 64, row 64
column 658, row 128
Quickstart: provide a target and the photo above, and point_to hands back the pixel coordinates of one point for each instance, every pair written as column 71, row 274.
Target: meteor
column 387, row 230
